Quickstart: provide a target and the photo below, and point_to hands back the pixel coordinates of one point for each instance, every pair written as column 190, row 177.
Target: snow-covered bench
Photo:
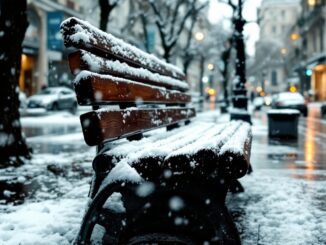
column 150, row 184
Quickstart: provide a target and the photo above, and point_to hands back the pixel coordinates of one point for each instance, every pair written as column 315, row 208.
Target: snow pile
column 283, row 111
column 280, row 209
column 48, row 222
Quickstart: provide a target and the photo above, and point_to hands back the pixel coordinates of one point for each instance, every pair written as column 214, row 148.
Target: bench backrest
column 149, row 93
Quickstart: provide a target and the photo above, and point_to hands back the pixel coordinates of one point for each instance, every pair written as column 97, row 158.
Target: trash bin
column 283, row 123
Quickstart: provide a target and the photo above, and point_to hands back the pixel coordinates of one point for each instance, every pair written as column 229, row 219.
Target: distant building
column 312, row 36
column 44, row 61
column 276, row 18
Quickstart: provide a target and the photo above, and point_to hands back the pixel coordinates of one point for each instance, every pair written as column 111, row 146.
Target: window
column 274, row 29
column 283, row 13
column 274, row 78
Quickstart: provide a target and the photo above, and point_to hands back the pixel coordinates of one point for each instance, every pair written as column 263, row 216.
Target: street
column 283, row 202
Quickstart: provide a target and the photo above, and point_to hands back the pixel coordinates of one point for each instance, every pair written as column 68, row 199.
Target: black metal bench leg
column 236, row 187
column 91, row 217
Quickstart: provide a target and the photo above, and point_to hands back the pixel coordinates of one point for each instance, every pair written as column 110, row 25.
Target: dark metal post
column 239, row 99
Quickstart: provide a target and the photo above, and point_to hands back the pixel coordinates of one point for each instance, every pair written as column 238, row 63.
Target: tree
column 13, row 24
column 106, row 7
column 170, row 19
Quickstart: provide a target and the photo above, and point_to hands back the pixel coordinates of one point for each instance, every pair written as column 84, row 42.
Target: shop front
column 28, row 75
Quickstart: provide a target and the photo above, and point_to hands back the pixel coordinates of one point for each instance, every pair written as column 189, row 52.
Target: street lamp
column 210, row 66
column 199, row 36
column 294, row 36
column 311, row 3
column 283, row 51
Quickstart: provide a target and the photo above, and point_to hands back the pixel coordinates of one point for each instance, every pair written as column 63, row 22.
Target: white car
column 54, row 98
column 258, row 103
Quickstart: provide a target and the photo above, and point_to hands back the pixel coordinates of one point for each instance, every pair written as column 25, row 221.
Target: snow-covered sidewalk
column 279, row 206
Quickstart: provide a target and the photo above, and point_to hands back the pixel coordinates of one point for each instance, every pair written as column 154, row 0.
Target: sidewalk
column 284, row 198
column 283, row 202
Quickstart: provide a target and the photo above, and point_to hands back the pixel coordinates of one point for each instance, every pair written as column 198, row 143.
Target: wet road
column 307, row 152
column 284, row 198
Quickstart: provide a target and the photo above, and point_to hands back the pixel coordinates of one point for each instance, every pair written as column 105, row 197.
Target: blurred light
column 199, row 36
column 262, row 93
column 311, row 3
column 211, row 92
column 205, row 79
column 294, row 36
column 268, row 101
column 283, row 51
column 210, row 67
column 259, row 89
column 308, row 72
column 23, row 59
column 293, row 89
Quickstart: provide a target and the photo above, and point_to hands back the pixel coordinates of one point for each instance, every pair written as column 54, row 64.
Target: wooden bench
column 157, row 177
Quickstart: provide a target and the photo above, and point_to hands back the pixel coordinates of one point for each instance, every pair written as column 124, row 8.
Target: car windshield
column 49, row 91
column 290, row 96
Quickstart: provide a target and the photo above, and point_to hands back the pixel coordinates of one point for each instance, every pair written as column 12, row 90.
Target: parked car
column 258, row 103
column 54, row 98
column 267, row 100
column 323, row 109
column 22, row 100
column 289, row 100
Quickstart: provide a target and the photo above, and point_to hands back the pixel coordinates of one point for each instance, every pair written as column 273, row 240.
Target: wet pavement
column 284, row 198
column 308, row 152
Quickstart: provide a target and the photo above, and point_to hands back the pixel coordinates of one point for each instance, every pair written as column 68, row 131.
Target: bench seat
column 201, row 148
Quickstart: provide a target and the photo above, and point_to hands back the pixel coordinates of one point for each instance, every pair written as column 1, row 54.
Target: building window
column 274, row 29
column 321, row 33
column 283, row 13
column 274, row 78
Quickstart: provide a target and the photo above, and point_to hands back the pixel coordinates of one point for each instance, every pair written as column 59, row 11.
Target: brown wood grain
column 96, row 90
column 77, row 62
column 100, row 125
column 97, row 43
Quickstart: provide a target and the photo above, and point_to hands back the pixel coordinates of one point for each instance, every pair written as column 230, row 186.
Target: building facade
column 44, row 58
column 276, row 18
column 312, row 33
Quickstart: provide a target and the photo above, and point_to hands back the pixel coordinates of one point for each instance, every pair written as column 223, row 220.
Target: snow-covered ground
column 280, row 205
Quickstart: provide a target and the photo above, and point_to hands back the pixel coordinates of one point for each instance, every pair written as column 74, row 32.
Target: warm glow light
column 262, row 94
column 311, row 3
column 294, row 36
column 24, row 59
column 211, row 92
column 210, row 67
column 259, row 89
column 293, row 89
column 283, row 51
column 199, row 36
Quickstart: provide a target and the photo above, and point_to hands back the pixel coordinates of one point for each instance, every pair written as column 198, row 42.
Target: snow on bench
column 137, row 100
column 82, row 35
column 202, row 147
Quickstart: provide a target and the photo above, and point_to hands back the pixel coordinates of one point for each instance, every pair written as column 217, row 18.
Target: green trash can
column 283, row 123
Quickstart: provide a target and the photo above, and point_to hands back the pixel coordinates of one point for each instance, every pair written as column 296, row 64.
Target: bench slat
column 105, row 125
column 82, row 60
column 81, row 35
column 94, row 89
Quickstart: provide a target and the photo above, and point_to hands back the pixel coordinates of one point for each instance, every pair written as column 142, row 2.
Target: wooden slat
column 82, row 60
column 81, row 35
column 94, row 89
column 104, row 125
